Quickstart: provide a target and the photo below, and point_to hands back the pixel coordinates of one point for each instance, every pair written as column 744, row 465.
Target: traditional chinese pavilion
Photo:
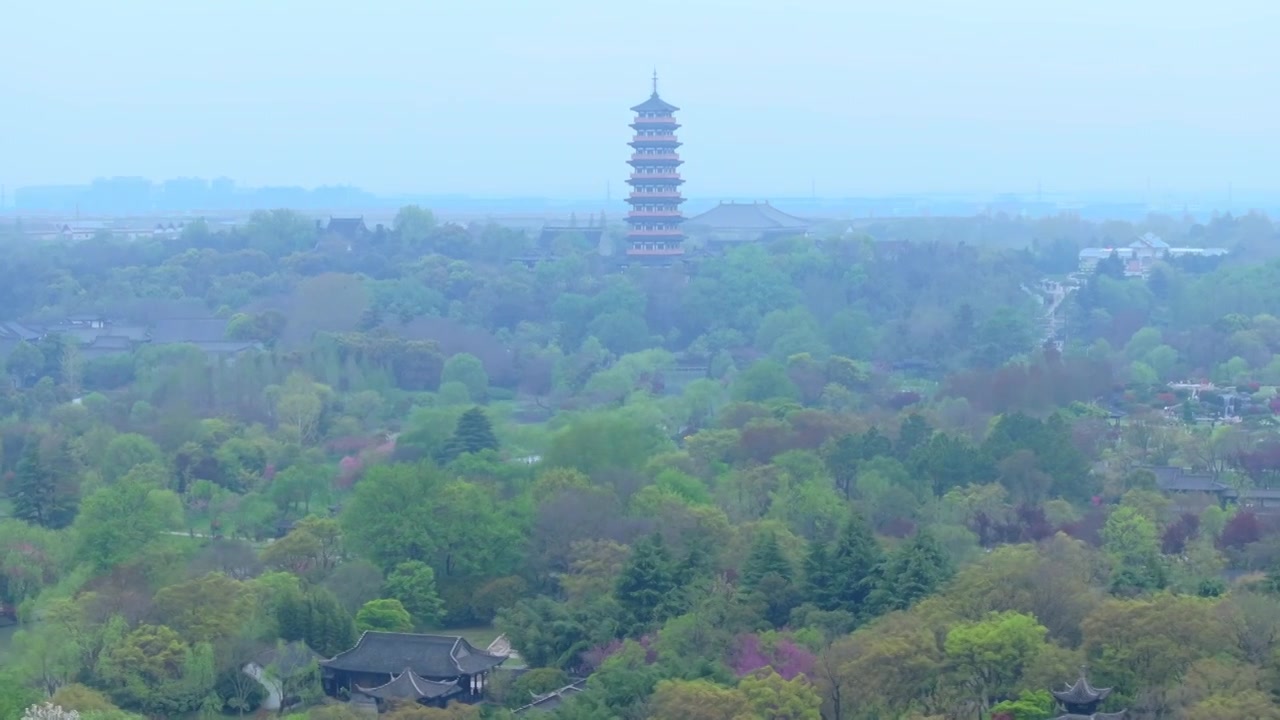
column 654, row 232
column 1081, row 701
column 431, row 669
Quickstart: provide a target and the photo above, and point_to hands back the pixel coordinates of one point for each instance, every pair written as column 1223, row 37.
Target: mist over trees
column 920, row 468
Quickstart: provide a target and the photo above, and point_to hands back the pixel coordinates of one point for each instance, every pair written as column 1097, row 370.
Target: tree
column 768, row 695
column 44, row 489
column 25, row 363
column 646, row 583
column 298, row 406
column 207, row 609
column 856, row 563
column 385, row 616
column 1131, row 541
column 994, row 653
column 914, row 572
column 469, row 370
column 415, row 225
column 696, row 700
column 767, row 580
column 126, row 452
column 413, row 583
column 472, row 434
column 118, row 521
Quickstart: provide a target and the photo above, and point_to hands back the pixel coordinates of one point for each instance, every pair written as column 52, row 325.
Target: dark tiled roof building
column 733, row 223
column 389, row 663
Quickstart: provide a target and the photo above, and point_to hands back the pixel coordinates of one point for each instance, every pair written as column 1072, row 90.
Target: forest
column 843, row 476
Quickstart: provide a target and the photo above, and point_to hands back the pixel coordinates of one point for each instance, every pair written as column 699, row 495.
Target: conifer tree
column 767, row 577
column 472, row 434
column 646, row 583
column 856, row 564
column 43, row 493
column 766, row 558
column 819, row 578
column 916, row 570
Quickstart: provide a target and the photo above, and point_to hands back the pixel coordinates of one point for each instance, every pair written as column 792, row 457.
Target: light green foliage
column 1130, row 539
column 384, row 615
column 117, row 522
column 125, row 452
column 995, row 652
column 468, row 370
column 413, row 583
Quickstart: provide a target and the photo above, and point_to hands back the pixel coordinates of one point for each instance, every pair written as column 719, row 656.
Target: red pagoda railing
column 654, row 138
column 655, row 176
column 663, row 251
column 654, row 233
column 639, row 157
column 663, row 119
column 657, row 214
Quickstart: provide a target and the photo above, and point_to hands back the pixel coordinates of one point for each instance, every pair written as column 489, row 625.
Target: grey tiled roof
column 435, row 657
column 748, row 216
column 408, row 685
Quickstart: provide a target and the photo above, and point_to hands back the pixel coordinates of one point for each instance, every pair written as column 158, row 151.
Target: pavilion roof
column 655, row 104
column 1081, row 693
column 436, row 657
column 408, row 685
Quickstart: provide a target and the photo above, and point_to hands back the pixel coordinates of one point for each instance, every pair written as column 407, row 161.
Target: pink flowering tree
column 777, row 651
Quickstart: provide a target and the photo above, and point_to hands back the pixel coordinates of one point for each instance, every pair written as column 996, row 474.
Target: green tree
column 126, row 452
column 415, row 226
column 25, row 363
column 467, row 369
column 770, row 696
column 386, row 615
column 646, row 583
column 44, row 489
column 472, row 434
column 764, row 380
column 994, row 653
column 856, row 562
column 1130, row 540
column 120, row 520
column 413, row 583
column 914, row 572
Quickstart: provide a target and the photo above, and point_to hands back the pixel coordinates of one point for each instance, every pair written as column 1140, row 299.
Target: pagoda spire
column 655, row 81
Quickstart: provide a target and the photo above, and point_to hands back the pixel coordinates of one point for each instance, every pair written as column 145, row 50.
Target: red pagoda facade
column 653, row 231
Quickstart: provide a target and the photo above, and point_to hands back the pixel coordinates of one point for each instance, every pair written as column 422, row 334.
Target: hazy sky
column 531, row 96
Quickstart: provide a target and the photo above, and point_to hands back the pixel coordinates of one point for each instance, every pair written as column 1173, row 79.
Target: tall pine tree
column 472, row 434
column 767, row 581
column 915, row 571
column 44, row 491
column 856, row 565
column 820, row 578
column 646, row 583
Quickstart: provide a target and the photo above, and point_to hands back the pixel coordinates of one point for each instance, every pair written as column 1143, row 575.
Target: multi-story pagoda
column 654, row 220
column 1081, row 701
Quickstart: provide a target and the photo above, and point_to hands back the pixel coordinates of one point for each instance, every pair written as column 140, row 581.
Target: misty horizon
column 502, row 100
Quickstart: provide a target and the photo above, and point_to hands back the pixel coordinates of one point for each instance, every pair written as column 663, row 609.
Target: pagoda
column 653, row 231
column 1081, row 701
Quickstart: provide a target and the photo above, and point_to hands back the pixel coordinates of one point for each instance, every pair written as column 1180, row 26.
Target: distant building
column 732, row 223
column 1081, row 700
column 592, row 232
column 1141, row 254
column 431, row 669
column 349, row 229
column 654, row 232
column 550, row 701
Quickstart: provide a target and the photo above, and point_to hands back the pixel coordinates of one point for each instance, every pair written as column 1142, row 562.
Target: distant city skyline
column 505, row 98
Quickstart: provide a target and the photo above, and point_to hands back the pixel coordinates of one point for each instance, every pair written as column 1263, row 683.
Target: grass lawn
column 480, row 637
